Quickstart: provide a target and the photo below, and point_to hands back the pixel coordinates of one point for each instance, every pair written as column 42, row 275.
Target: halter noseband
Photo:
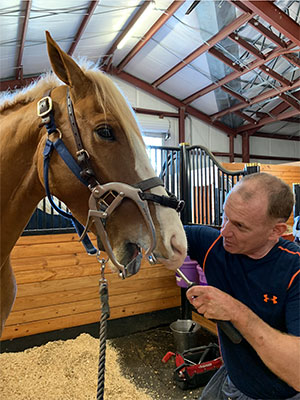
column 104, row 199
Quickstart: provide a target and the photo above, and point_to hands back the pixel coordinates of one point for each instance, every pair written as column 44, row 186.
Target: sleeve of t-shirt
column 199, row 238
column 292, row 312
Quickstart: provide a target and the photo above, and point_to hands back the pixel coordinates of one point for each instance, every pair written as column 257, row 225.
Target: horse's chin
column 130, row 256
column 171, row 264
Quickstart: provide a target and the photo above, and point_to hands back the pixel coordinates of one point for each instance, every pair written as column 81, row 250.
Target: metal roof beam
column 19, row 66
column 290, row 101
column 273, row 74
column 234, row 75
column 253, row 50
column 277, row 18
column 245, row 117
column 222, row 34
column 159, row 113
column 260, row 114
column 84, row 22
column 220, row 56
column 258, row 26
column 277, row 136
column 241, row 42
column 13, row 84
column 268, row 120
column 293, row 59
column 280, row 108
column 266, row 95
column 130, row 24
column 234, row 94
column 151, row 32
column 267, row 33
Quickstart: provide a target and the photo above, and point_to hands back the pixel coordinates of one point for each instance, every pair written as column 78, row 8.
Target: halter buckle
column 44, row 106
column 180, row 206
column 82, row 152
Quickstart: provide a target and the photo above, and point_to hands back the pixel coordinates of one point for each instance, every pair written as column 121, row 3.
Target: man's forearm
column 279, row 351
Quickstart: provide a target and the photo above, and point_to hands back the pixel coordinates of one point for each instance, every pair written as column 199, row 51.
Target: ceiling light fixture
column 137, row 24
column 190, row 9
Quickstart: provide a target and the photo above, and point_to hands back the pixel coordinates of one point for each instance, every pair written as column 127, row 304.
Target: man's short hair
column 279, row 193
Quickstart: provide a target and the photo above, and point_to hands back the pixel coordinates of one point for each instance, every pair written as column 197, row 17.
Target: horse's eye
column 105, row 132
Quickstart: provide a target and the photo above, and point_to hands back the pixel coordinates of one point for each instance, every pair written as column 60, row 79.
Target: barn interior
column 213, row 82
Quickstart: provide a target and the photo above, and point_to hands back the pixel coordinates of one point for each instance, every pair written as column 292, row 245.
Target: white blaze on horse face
column 171, row 229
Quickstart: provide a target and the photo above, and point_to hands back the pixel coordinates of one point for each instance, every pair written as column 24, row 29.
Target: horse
column 112, row 152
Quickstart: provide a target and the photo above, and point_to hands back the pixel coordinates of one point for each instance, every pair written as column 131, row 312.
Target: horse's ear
column 64, row 66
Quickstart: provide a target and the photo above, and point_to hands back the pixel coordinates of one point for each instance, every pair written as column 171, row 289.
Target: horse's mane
column 29, row 93
column 108, row 95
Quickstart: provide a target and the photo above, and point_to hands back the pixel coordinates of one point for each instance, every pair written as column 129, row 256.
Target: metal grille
column 208, row 183
column 166, row 164
column 45, row 220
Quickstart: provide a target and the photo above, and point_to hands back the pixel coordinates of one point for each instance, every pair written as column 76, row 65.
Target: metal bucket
column 186, row 334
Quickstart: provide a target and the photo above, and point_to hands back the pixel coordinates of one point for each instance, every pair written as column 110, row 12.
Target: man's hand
column 212, row 302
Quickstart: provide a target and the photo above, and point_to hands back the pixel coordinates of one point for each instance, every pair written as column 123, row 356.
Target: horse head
column 112, row 143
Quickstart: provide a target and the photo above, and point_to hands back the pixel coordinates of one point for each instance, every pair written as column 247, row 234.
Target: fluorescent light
column 138, row 23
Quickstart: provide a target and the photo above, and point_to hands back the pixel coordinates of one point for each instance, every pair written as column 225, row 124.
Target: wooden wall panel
column 58, row 286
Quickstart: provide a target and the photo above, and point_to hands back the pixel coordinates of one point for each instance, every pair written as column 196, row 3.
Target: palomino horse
column 111, row 145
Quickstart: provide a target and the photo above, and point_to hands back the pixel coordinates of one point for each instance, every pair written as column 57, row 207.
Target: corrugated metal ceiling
column 233, row 64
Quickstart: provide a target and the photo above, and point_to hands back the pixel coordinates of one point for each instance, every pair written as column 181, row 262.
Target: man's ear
column 278, row 230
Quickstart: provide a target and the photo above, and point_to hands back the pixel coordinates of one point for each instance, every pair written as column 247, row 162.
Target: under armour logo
column 273, row 299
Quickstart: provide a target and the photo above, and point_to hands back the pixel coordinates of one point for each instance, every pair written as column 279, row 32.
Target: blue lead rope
column 74, row 167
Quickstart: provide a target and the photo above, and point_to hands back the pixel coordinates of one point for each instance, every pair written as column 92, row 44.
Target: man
column 254, row 282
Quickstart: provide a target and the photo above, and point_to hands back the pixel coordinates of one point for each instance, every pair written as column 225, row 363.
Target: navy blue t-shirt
column 269, row 286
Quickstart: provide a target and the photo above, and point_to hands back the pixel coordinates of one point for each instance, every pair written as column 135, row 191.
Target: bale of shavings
column 64, row 370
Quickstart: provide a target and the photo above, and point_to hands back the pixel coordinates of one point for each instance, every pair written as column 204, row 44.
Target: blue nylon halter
column 74, row 167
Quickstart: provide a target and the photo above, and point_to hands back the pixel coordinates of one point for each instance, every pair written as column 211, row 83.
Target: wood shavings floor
column 67, row 370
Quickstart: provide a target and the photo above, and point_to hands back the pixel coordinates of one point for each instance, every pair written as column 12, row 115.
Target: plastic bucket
column 186, row 334
column 189, row 270
column 201, row 276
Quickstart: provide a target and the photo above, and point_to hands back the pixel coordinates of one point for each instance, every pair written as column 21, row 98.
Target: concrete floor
column 141, row 360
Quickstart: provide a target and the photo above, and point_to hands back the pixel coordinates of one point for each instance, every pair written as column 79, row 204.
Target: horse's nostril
column 178, row 248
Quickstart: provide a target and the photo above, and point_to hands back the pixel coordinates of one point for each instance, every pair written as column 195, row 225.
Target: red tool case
column 196, row 366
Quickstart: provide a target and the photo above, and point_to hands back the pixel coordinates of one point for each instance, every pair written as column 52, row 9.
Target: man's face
column 246, row 228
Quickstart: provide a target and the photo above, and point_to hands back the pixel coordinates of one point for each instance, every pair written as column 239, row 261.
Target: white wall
column 140, row 99
column 274, row 147
column 198, row 132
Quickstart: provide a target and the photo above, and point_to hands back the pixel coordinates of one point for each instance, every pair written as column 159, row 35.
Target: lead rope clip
column 102, row 262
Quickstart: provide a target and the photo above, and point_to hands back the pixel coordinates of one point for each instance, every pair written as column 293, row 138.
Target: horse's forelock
column 111, row 99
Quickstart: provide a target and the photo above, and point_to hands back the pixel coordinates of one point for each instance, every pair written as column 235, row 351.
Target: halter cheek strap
column 60, row 147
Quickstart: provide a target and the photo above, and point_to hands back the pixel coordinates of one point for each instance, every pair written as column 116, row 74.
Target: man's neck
column 263, row 251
